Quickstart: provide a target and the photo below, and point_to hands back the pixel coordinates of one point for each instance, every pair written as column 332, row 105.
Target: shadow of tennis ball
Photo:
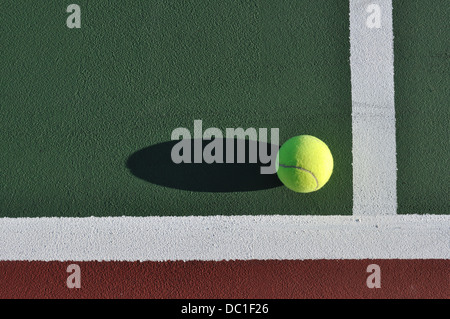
column 154, row 165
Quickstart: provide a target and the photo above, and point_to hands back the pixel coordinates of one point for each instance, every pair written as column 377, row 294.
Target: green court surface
column 422, row 90
column 87, row 114
column 77, row 103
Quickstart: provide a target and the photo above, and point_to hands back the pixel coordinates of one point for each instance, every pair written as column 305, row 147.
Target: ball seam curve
column 305, row 170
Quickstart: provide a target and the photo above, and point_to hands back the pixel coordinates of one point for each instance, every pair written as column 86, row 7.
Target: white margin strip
column 373, row 111
column 225, row 238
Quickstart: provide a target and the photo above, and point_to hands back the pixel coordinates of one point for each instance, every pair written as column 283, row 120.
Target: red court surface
column 255, row 279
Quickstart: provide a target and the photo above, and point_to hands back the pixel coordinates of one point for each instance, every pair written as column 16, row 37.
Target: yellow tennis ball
column 304, row 164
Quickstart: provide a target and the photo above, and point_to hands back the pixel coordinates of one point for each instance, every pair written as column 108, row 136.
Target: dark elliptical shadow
column 154, row 165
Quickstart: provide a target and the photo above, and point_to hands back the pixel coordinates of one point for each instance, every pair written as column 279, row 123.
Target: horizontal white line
column 225, row 238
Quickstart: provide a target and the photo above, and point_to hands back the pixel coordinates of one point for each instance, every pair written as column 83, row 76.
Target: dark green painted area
column 77, row 103
column 422, row 89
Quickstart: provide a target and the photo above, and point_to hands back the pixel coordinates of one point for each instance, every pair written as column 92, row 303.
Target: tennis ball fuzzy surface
column 304, row 164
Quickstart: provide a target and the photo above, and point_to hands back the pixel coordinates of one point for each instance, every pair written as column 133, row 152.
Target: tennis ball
column 304, row 164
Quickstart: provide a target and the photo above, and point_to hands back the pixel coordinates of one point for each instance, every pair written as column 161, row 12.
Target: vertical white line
column 373, row 112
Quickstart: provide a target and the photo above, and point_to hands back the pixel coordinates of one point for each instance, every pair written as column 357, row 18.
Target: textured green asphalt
column 422, row 89
column 76, row 104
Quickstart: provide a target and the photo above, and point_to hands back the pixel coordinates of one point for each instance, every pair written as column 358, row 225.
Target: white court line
column 373, row 112
column 225, row 238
